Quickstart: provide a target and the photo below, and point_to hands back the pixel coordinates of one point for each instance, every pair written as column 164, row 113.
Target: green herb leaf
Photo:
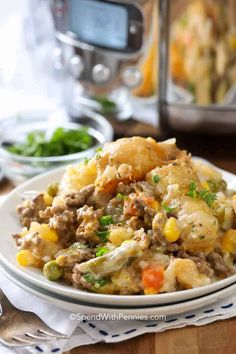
column 204, row 194
column 98, row 283
column 208, row 197
column 101, row 282
column 103, row 235
column 62, row 142
column 120, row 196
column 108, row 106
column 156, row 178
column 100, row 251
column 89, row 278
column 193, row 190
column 168, row 209
column 86, row 160
column 106, row 220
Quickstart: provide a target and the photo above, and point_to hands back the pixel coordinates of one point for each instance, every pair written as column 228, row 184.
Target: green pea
column 52, row 271
column 52, row 189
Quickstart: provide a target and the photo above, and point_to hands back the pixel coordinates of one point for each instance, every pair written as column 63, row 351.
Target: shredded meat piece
column 30, row 210
column 142, row 210
column 140, row 186
column 217, row 262
column 149, row 214
column 172, row 247
column 37, row 245
column 125, row 189
column 78, row 199
column 79, row 282
column 157, row 237
column 200, row 259
column 70, row 257
column 88, row 220
column 142, row 238
column 67, row 275
column 135, row 223
column 49, row 212
column 115, row 208
column 99, row 199
column 27, row 242
column 65, row 224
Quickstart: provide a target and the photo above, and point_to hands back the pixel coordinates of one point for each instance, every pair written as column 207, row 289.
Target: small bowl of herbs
column 28, row 147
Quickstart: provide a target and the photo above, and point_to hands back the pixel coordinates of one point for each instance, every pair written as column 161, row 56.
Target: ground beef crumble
column 30, row 210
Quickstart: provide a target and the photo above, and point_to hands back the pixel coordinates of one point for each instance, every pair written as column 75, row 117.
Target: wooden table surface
column 215, row 338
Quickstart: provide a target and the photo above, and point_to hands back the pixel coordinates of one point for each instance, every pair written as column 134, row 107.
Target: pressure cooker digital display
column 106, row 24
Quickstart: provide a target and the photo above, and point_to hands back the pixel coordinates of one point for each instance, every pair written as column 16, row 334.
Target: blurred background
column 74, row 74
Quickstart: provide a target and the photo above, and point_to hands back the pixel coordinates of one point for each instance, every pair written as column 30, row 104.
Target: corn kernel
column 229, row 241
column 156, row 205
column 150, row 291
column 44, row 231
column 120, row 234
column 232, row 41
column 48, row 199
column 48, row 234
column 171, row 230
column 205, row 185
column 25, row 258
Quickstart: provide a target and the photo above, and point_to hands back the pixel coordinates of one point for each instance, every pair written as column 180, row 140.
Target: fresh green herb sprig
column 63, row 142
column 100, row 251
column 193, row 190
column 156, row 178
column 108, row 106
column 121, row 196
column 97, row 283
column 203, row 194
column 168, row 209
column 103, row 235
column 106, row 220
column 208, row 197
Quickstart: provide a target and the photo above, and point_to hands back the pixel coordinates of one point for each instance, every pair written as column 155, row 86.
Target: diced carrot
column 153, row 277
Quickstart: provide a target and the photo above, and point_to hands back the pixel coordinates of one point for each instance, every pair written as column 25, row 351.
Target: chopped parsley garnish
column 106, row 220
column 98, row 151
column 203, row 194
column 107, row 105
column 88, row 277
column 120, row 196
column 156, row 178
column 168, row 209
column 193, row 190
column 98, row 283
column 103, row 235
column 100, row 251
column 208, row 197
column 62, row 142
column 86, row 160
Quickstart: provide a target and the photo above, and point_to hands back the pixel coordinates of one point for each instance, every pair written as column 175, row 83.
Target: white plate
column 76, row 306
column 10, row 225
